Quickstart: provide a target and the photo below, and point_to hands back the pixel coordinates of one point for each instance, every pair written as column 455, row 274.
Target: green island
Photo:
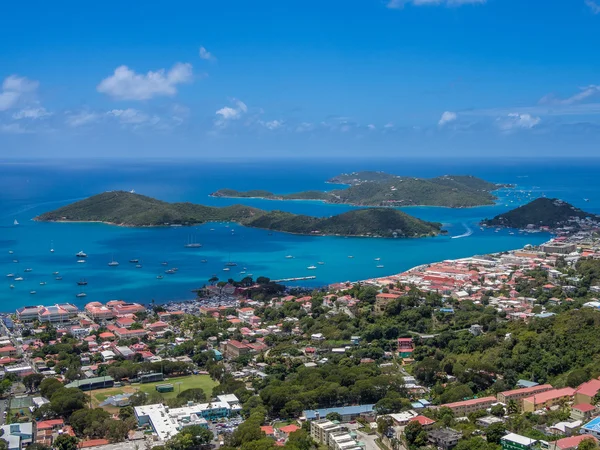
column 383, row 189
column 543, row 212
column 129, row 209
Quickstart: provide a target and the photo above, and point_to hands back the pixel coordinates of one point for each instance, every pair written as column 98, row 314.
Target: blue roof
column 593, row 425
column 8, row 322
column 545, row 315
column 311, row 414
column 417, row 405
column 424, row 402
column 447, row 310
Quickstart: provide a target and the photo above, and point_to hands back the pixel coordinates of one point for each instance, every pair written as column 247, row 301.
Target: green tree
column 513, row 407
column 588, row 444
column 334, row 416
column 49, row 386
column 497, row 410
column 65, row 442
column 65, row 401
column 494, row 432
column 32, row 381
column 577, row 377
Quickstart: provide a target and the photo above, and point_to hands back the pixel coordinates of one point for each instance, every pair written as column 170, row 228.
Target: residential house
column 585, row 392
column 406, row 347
column 444, row 438
column 570, row 443
column 583, row 411
column 514, row 441
column 17, row 435
column 381, row 302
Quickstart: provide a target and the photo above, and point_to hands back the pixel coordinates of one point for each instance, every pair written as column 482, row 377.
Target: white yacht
column 81, row 254
column 311, row 267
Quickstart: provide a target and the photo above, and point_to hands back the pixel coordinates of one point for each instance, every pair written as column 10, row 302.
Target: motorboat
column 134, row 261
column 58, row 278
column 19, row 279
column 226, row 269
column 82, row 282
column 28, row 270
column 289, row 257
column 169, row 271
column 320, row 263
column 32, row 292
column 12, row 286
column 81, row 261
column 138, row 266
column 164, row 263
column 380, row 266
column 81, row 295
column 311, row 267
column 10, row 275
column 159, row 277
column 81, row 254
column 43, row 283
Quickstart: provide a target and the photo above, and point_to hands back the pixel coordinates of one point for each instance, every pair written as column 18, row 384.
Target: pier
column 283, row 280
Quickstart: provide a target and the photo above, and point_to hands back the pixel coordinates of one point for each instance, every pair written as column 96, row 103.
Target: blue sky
column 213, row 79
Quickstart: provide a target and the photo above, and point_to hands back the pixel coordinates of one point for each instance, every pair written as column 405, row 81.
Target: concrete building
column 466, row 407
column 234, row 349
column 321, row 429
column 406, row 347
column 444, row 438
column 514, row 441
column 344, row 441
column 17, row 435
column 562, row 248
column 548, row 399
column 381, row 302
column 167, row 422
column 90, row 384
column 519, row 394
column 592, row 428
column 583, row 412
column 28, row 313
column 348, row 413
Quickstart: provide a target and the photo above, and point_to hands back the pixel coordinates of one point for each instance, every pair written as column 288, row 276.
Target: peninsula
column 383, row 189
column 545, row 213
column 129, row 209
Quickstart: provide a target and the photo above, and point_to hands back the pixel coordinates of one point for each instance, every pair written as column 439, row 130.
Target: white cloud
column 231, row 113
column 371, row 127
column 273, row 124
column 82, row 118
column 133, row 116
column 125, row 84
column 13, row 88
column 304, row 126
column 518, row 121
column 206, row 55
column 399, row 4
column 31, row 113
column 583, row 94
column 447, row 117
column 13, row 128
column 594, row 7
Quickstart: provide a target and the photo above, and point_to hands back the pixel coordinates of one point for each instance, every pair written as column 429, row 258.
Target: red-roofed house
column 425, row 422
column 468, row 406
column 54, row 424
column 234, row 349
column 583, row 411
column 585, row 393
column 158, row 326
column 287, row 430
column 9, row 350
column 268, row 430
column 570, row 443
column 122, row 333
column 124, row 322
column 405, row 347
column 107, row 335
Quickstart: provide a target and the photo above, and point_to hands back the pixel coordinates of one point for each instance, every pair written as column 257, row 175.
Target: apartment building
column 519, row 394
column 321, row 429
column 548, row 399
column 466, row 407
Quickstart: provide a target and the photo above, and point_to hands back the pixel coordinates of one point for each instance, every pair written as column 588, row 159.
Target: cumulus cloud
column 206, row 55
column 399, row 4
column 13, row 89
column 515, row 121
column 82, row 118
column 31, row 113
column 273, row 124
column 231, row 113
column 131, row 116
column 594, row 7
column 125, row 84
column 447, row 117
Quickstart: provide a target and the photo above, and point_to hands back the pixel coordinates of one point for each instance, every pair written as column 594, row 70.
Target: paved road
column 3, row 406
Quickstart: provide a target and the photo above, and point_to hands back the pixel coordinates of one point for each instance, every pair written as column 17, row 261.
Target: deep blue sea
column 29, row 188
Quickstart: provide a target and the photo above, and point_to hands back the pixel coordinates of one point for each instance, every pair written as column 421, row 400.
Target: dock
column 283, row 280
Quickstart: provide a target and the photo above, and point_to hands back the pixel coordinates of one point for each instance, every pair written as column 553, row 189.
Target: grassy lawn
column 203, row 382
column 193, row 381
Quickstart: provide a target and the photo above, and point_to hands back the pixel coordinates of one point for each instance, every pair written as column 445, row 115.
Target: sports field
column 203, row 382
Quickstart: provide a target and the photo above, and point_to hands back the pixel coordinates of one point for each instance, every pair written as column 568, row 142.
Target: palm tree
column 512, row 407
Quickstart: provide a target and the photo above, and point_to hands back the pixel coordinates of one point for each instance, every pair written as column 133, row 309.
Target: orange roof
column 93, row 443
column 583, row 407
column 46, row 424
column 268, row 430
column 382, row 295
column 289, row 429
column 423, row 420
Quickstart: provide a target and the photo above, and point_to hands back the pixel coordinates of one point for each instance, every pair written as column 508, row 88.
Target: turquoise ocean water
column 30, row 188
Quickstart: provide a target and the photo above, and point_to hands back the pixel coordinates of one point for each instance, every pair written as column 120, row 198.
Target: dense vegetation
column 124, row 208
column 541, row 212
column 381, row 189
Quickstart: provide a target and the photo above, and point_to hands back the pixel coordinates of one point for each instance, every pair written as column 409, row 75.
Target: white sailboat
column 113, row 263
column 16, row 222
column 52, row 247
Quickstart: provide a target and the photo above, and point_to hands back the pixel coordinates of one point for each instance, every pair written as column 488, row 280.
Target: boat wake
column 467, row 233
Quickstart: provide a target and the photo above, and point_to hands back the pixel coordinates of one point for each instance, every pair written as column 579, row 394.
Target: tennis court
column 20, row 402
